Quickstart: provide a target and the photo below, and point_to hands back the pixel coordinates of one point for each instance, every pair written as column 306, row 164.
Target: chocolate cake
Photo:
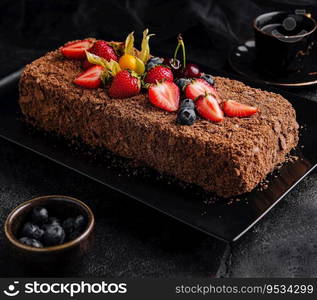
column 229, row 158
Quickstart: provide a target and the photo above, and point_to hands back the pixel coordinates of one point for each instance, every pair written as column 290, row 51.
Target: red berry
column 236, row 109
column 91, row 78
column 191, row 71
column 124, row 85
column 199, row 87
column 165, row 95
column 102, row 49
column 76, row 50
column 208, row 107
column 159, row 73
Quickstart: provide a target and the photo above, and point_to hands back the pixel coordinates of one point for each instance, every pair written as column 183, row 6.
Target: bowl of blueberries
column 50, row 225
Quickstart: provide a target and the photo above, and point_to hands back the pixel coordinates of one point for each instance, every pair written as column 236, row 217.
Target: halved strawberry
column 235, row 109
column 165, row 95
column 91, row 78
column 76, row 50
column 208, row 107
column 199, row 87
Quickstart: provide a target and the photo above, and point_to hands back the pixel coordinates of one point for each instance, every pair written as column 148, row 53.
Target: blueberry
column 51, row 221
column 80, row 222
column 54, row 235
column 186, row 116
column 208, row 78
column 69, row 225
column 188, row 103
column 31, row 242
column 182, row 82
column 39, row 215
column 32, row 231
column 153, row 61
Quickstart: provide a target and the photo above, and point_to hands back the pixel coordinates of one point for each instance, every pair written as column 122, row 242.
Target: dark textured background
column 133, row 240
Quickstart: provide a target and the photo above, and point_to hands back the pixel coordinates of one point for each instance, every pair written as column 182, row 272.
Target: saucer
column 242, row 60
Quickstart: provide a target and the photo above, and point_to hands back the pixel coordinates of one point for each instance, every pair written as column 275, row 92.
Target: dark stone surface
column 131, row 240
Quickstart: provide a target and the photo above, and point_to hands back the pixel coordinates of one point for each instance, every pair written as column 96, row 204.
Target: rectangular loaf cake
column 228, row 158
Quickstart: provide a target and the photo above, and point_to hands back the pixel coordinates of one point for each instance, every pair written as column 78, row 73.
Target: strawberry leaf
column 145, row 48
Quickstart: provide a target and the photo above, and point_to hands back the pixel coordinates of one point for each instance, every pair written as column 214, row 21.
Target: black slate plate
column 242, row 59
column 226, row 219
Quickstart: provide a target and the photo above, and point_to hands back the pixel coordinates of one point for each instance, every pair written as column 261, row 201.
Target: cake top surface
column 53, row 71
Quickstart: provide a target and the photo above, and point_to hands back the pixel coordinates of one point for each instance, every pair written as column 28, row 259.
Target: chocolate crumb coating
column 228, row 158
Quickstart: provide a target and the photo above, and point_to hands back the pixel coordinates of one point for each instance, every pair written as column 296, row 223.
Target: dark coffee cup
column 283, row 40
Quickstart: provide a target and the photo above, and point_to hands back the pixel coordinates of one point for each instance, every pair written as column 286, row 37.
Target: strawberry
column 102, row 49
column 199, row 87
column 236, row 109
column 125, row 84
column 165, row 95
column 208, row 107
column 76, row 50
column 159, row 73
column 90, row 78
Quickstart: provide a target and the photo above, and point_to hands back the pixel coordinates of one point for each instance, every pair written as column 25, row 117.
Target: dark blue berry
column 69, row 225
column 31, row 242
column 39, row 215
column 32, row 231
column 182, row 82
column 188, row 103
column 54, row 221
column 186, row 116
column 51, row 221
column 153, row 61
column 54, row 235
column 79, row 223
column 208, row 78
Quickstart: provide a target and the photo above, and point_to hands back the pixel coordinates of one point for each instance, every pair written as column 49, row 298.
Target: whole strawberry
column 102, row 49
column 124, row 85
column 159, row 73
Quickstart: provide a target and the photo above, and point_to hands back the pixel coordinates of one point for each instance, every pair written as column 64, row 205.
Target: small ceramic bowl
column 61, row 207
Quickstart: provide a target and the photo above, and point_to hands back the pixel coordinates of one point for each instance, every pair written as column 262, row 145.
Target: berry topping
column 208, row 107
column 165, row 95
column 125, row 84
column 31, row 242
column 186, row 116
column 153, row 61
column 182, row 82
column 32, row 231
column 159, row 73
column 235, row 109
column 54, row 235
column 208, row 78
column 197, row 88
column 39, row 215
column 76, row 50
column 91, row 78
column 191, row 71
column 188, row 103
